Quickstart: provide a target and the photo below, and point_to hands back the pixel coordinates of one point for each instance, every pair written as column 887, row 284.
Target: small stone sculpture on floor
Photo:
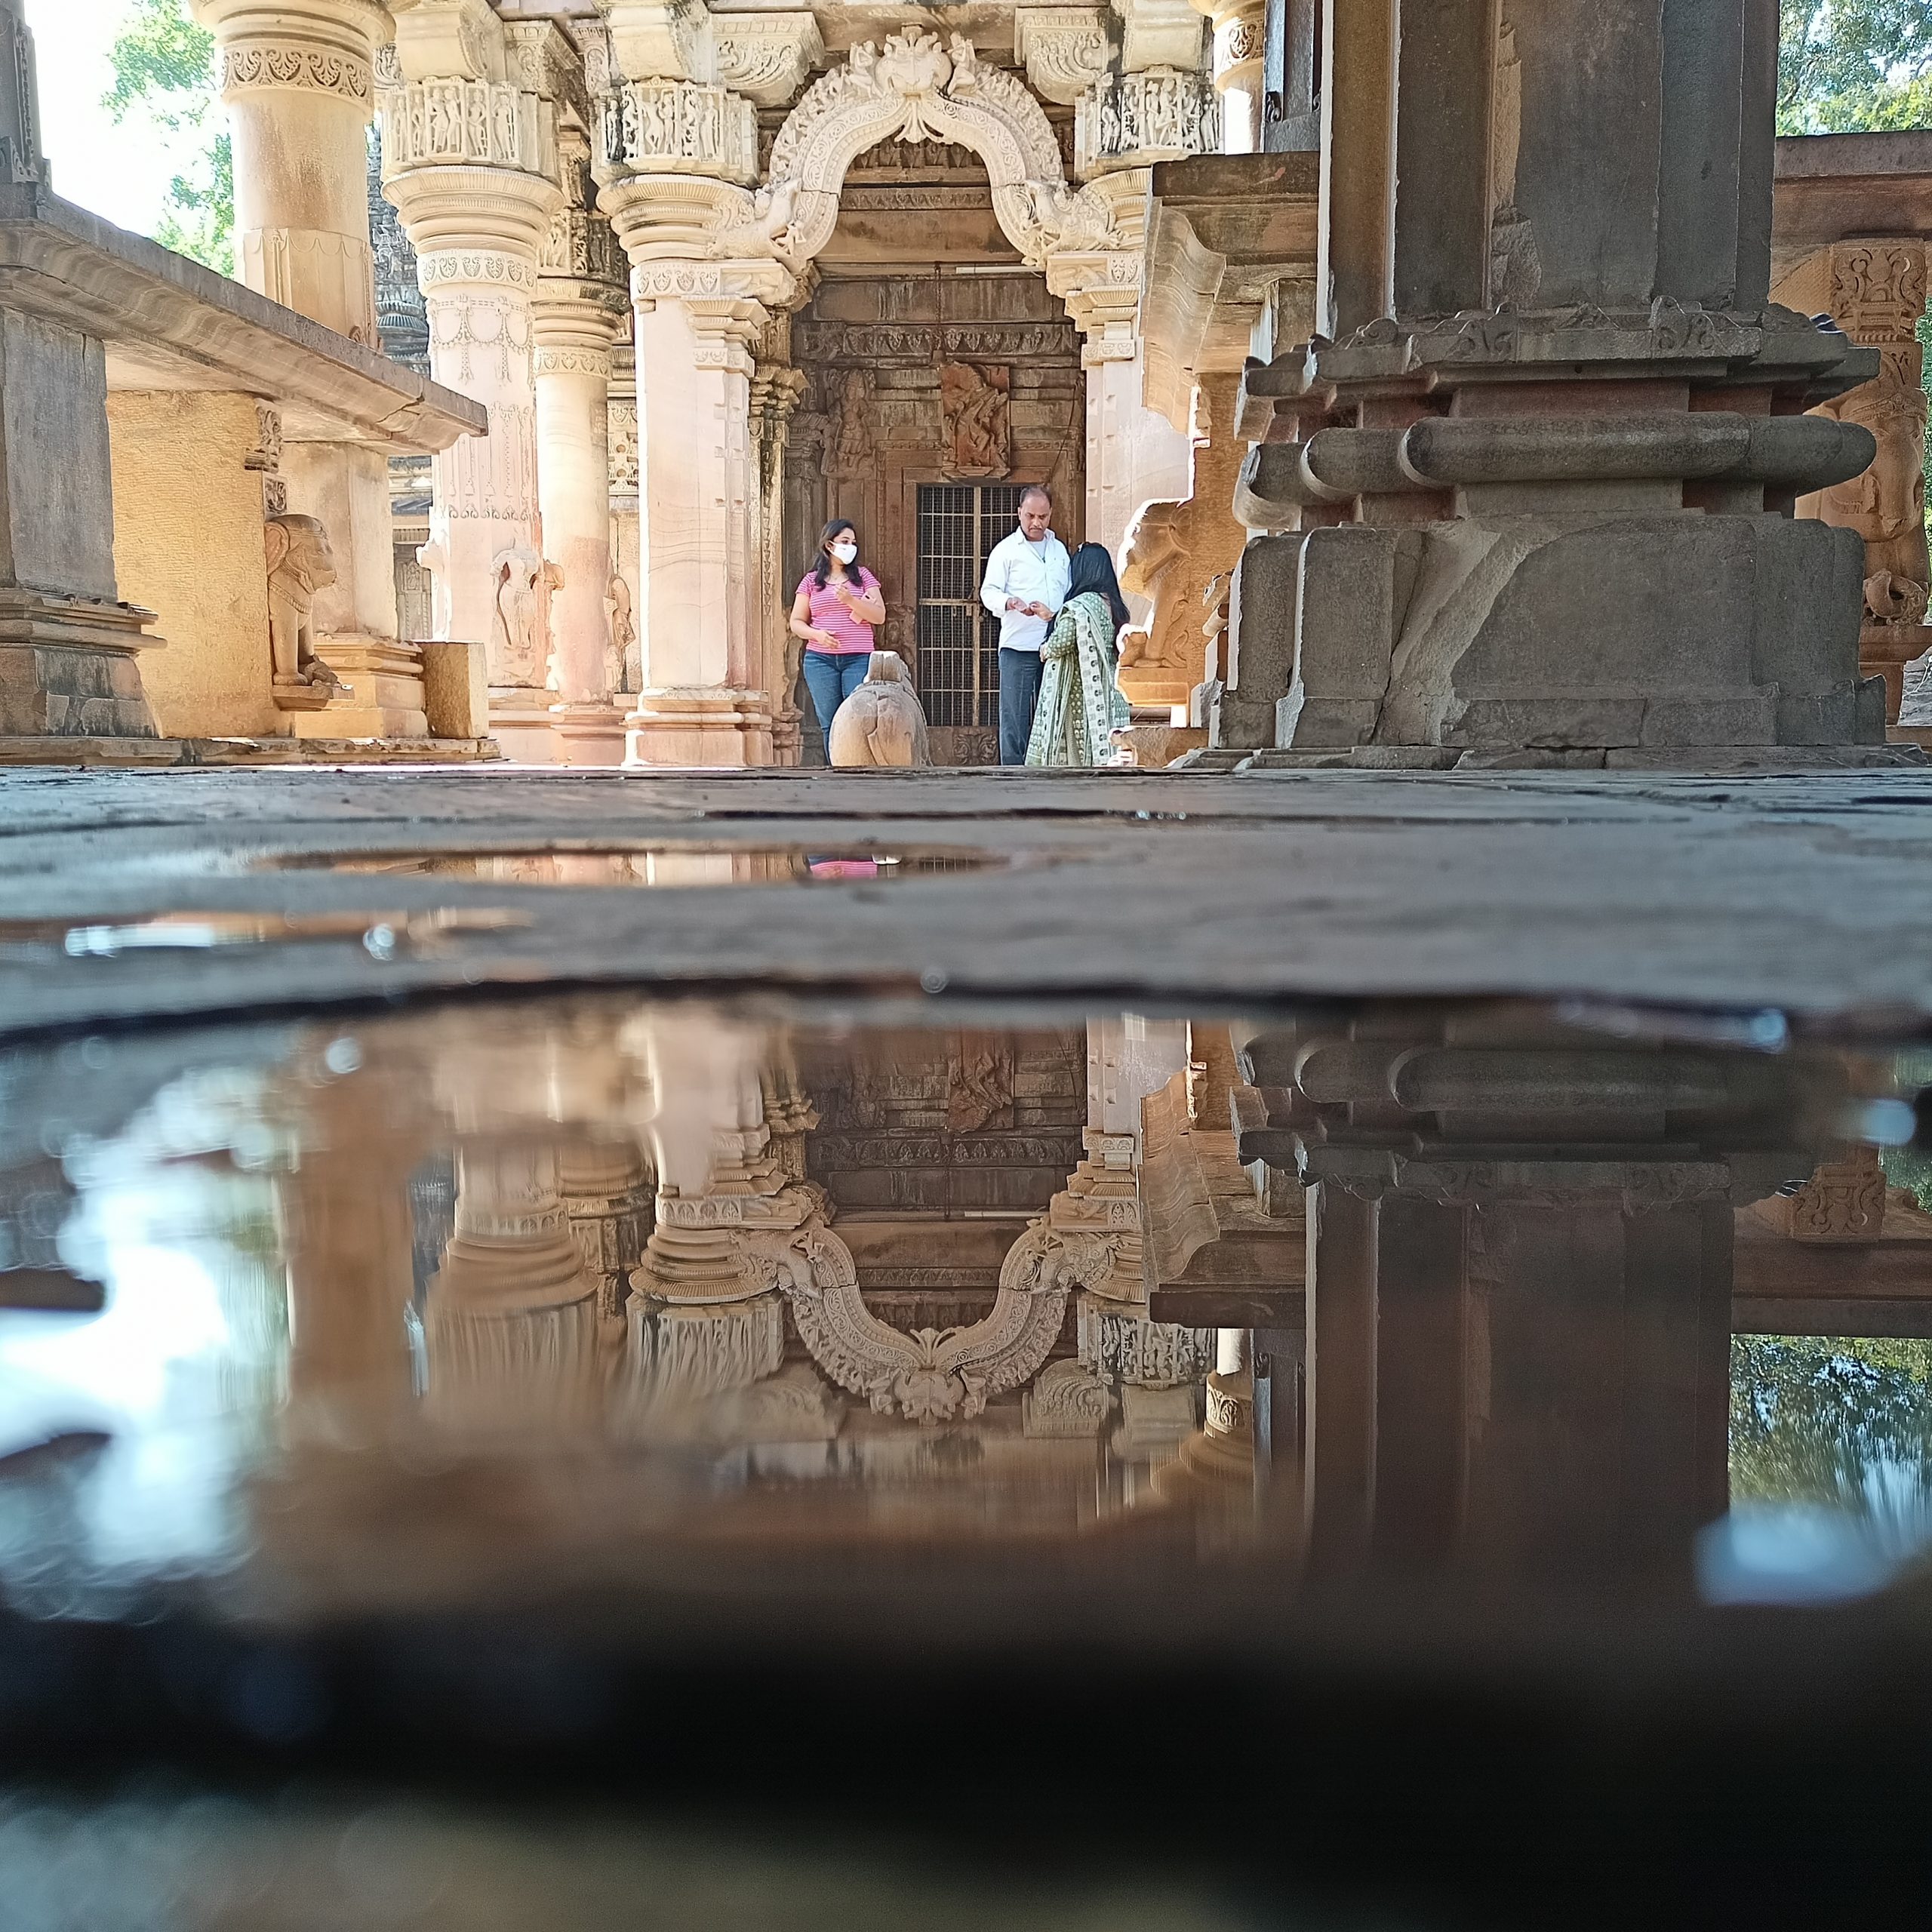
column 881, row 723
column 299, row 564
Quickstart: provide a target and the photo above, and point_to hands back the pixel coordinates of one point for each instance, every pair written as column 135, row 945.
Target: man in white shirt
column 1026, row 584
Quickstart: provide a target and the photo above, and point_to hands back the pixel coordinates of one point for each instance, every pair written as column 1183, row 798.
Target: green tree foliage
column 1846, row 66
column 164, row 67
column 1848, row 1424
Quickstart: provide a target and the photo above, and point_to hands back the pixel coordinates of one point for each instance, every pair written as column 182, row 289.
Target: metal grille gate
column 958, row 668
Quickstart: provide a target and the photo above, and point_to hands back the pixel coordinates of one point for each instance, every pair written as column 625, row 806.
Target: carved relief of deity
column 977, row 404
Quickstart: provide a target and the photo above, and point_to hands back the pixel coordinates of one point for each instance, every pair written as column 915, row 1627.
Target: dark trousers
column 832, row 677
column 1019, row 699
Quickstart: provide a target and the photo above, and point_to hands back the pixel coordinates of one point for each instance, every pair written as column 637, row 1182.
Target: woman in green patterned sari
column 1080, row 705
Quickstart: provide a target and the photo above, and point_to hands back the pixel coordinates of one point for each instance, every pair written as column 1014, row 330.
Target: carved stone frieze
column 1878, row 289
column 1132, row 120
column 623, row 446
column 1122, row 1348
column 677, row 127
column 914, row 88
column 321, row 70
column 1844, row 1201
column 480, row 124
column 870, row 344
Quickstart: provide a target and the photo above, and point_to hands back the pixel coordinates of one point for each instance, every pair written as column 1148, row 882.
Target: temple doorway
column 942, row 378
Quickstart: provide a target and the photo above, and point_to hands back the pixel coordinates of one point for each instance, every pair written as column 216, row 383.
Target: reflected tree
column 1845, row 1423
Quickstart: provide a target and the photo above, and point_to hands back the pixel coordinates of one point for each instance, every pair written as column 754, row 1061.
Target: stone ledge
column 200, row 753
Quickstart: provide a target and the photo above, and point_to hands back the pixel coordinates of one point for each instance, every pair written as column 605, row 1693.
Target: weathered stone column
column 469, row 159
column 297, row 82
column 580, row 310
column 1543, row 530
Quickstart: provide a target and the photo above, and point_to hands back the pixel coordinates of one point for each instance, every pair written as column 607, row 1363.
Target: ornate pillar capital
column 764, row 56
column 323, row 46
column 1064, row 49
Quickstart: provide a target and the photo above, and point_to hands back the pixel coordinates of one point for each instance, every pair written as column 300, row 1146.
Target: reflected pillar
column 348, row 1233
column 511, row 1317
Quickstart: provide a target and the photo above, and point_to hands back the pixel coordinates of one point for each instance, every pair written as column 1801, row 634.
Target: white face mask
column 845, row 552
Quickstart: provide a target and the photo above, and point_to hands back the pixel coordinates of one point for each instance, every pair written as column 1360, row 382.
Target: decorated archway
column 914, row 89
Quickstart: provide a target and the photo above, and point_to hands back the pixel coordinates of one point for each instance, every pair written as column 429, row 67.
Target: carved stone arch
column 916, row 89
column 934, row 1375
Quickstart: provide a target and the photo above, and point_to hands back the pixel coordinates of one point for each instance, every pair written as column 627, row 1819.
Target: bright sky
column 121, row 172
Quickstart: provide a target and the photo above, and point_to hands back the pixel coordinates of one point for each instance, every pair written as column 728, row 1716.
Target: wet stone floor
column 612, row 1459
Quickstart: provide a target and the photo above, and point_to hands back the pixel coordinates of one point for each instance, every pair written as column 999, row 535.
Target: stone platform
column 1811, row 892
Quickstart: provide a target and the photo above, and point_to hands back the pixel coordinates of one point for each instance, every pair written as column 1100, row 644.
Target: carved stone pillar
column 1123, row 123
column 511, row 1317
column 1240, row 30
column 469, row 159
column 776, row 388
column 580, row 310
column 676, row 157
column 1875, row 290
column 1539, row 449
column 297, row 82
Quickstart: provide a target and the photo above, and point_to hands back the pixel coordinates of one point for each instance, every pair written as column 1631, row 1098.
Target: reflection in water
column 655, row 865
column 402, row 1311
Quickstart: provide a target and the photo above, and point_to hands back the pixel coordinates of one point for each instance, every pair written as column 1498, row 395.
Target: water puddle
column 711, row 865
column 880, row 1344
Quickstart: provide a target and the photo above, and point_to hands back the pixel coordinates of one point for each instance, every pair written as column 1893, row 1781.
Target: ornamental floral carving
column 312, row 68
column 914, row 88
column 1878, row 289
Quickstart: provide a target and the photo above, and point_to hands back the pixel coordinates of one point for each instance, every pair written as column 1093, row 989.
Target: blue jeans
column 832, row 677
column 1019, row 699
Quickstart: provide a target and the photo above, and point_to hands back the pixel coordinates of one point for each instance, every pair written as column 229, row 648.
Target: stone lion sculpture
column 299, row 564
column 881, row 723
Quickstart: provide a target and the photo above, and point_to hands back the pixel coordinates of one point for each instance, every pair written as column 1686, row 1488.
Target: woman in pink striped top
column 838, row 607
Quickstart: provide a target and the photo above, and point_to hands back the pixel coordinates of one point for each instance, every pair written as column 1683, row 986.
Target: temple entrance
column 957, row 669
column 942, row 379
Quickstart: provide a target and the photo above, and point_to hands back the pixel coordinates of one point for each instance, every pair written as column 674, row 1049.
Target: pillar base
column 385, row 695
column 1884, row 650
column 588, row 734
column 68, row 668
column 711, row 726
column 520, row 722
